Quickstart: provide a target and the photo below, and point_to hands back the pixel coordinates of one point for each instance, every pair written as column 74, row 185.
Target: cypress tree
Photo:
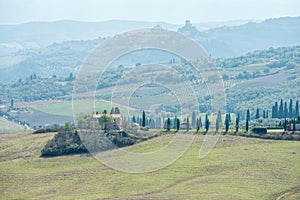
column 285, row 111
column 188, row 124
column 227, row 124
column 280, row 112
column 247, row 125
column 257, row 114
column 276, row 110
column 237, row 122
column 248, row 117
column 177, row 124
column 291, row 109
column 193, row 120
column 168, row 124
column 297, row 109
column 200, row 123
column 197, row 125
column 219, row 121
column 175, row 121
column 206, row 123
column 143, row 119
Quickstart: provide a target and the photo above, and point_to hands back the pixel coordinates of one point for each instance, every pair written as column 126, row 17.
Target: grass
column 238, row 168
column 7, row 126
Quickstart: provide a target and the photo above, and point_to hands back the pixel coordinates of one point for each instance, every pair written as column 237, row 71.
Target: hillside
column 238, row 168
column 238, row 40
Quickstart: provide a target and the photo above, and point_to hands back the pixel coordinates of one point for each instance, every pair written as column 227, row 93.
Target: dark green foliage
column 297, row 109
column 227, row 123
column 291, row 109
column 200, row 123
column 247, row 125
column 280, row 112
column 64, row 142
column 259, row 130
column 144, row 119
column 237, row 123
column 177, row 124
column 207, row 123
column 47, row 130
column 188, row 124
column 121, row 139
column 168, row 124
column 272, row 137
column 248, row 116
column 67, row 141
column 257, row 114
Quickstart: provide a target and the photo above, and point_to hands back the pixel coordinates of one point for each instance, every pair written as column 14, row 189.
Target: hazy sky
column 176, row 11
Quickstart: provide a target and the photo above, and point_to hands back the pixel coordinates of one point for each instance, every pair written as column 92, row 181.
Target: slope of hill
column 238, row 168
column 238, row 40
column 41, row 34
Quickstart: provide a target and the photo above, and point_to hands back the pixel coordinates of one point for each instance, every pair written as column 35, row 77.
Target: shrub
column 259, row 130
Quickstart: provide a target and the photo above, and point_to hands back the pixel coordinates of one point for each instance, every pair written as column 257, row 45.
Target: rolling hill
column 237, row 168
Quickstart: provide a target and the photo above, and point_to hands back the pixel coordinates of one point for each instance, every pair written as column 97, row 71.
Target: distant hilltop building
column 188, row 23
column 189, row 30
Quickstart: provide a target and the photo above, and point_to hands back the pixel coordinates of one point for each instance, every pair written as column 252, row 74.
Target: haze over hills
column 233, row 35
column 61, row 58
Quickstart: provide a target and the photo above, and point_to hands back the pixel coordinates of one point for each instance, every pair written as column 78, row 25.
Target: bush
column 259, row 130
column 46, row 130
column 64, row 142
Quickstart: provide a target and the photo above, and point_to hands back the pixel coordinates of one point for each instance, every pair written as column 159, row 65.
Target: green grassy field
column 7, row 126
column 238, row 168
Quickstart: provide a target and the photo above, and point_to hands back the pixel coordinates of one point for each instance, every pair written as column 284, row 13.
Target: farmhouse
column 118, row 120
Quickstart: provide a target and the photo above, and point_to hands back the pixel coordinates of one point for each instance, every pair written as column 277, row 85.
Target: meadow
column 237, row 168
column 7, row 126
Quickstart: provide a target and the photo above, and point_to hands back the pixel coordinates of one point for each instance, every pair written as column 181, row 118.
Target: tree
column 247, row 125
column 197, row 125
column 194, row 120
column 280, row 112
column 219, row 121
column 143, row 119
column 207, row 123
column 297, row 109
column 294, row 125
column 168, row 124
column 188, row 124
column 117, row 110
column 257, row 114
column 285, row 111
column 237, row 122
column 177, row 124
column 200, row 123
column 227, row 123
column 68, row 126
column 133, row 119
column 105, row 121
column 229, row 118
column 112, row 111
column 248, row 117
column 291, row 109
column 104, row 112
column 174, row 124
column 11, row 103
